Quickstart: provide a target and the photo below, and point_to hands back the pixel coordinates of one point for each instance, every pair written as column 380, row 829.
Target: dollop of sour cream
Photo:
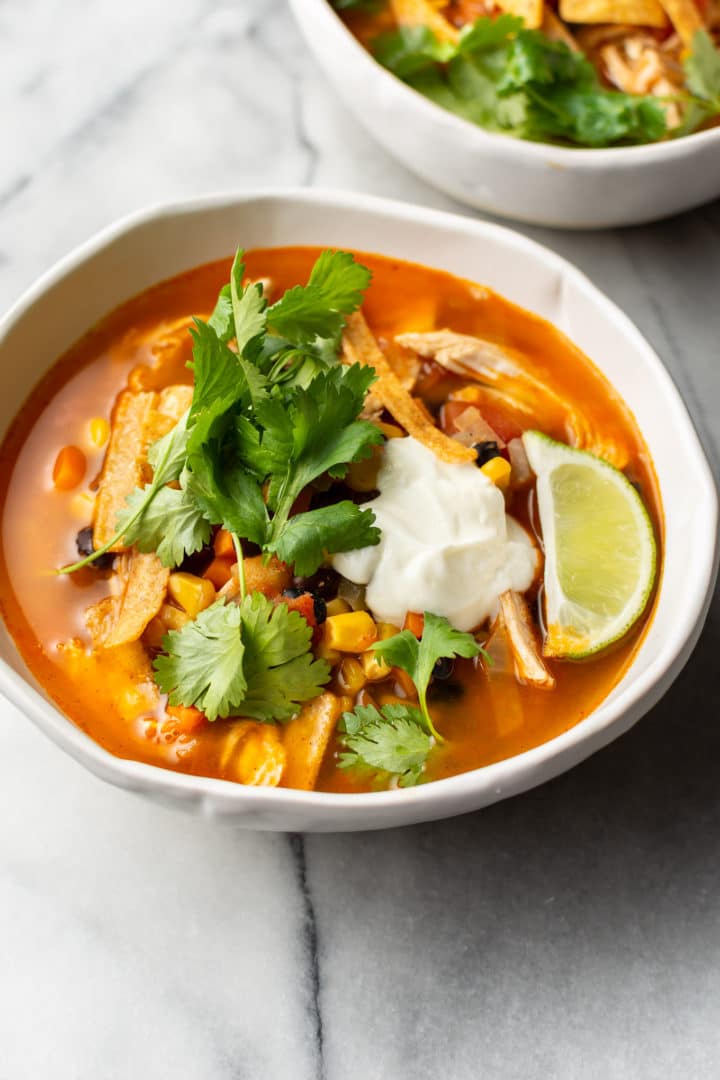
column 447, row 544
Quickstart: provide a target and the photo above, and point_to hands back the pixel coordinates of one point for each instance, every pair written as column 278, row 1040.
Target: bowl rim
column 567, row 156
column 508, row 776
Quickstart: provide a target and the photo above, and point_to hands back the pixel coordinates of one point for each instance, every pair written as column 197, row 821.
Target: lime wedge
column 600, row 553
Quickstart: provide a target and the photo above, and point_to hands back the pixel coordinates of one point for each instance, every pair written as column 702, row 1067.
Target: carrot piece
column 219, row 572
column 69, row 468
column 269, row 577
column 187, row 718
column 415, row 623
column 223, row 544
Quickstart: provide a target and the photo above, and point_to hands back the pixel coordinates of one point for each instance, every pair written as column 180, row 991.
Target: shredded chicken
column 529, row 665
column 471, row 429
column 253, row 754
column 126, row 674
column 501, row 370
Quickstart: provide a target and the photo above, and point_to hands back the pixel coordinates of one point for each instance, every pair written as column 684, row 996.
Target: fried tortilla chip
column 360, row 346
column 121, row 618
column 306, row 739
column 138, row 420
column 422, row 13
column 685, row 17
column 531, row 11
column 635, row 12
column 556, row 30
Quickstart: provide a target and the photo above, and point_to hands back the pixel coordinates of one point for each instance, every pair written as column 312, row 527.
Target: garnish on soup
column 300, row 532
column 582, row 72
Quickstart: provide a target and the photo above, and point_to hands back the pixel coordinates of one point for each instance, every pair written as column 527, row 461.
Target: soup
column 292, row 534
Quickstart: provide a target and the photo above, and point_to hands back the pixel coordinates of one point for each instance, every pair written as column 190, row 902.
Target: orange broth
column 483, row 723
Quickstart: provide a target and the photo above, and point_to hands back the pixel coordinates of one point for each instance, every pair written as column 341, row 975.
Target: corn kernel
column 98, row 431
column 390, row 431
column 324, row 652
column 374, row 667
column 351, row 632
column 338, row 606
column 467, row 393
column 82, row 506
column 362, row 475
column 350, row 676
column 498, row 470
column 172, row 618
column 192, row 593
column 386, row 630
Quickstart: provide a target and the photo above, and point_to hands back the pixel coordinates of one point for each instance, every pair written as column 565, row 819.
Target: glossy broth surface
column 484, row 719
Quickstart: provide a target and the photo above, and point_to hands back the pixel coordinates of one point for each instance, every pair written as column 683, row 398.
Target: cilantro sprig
column 268, row 417
column 251, row 659
column 519, row 82
column 418, row 656
column 390, row 740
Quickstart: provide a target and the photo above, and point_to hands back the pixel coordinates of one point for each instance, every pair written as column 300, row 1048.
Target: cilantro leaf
column 317, row 310
column 171, row 524
column 248, row 305
column 702, row 69
column 418, row 658
column 221, row 322
column 308, row 538
column 520, row 82
column 251, row 659
column 392, row 739
column 204, row 662
column 227, row 493
column 167, row 455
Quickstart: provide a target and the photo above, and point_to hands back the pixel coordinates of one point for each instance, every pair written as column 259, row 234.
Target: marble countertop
column 572, row 932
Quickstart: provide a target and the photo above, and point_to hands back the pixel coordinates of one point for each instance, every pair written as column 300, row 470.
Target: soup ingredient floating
column 594, row 73
column 600, row 553
column 311, row 556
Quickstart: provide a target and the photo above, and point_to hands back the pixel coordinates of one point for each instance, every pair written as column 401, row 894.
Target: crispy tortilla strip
column 360, row 346
column 306, row 739
column 138, row 420
column 422, row 13
column 556, row 30
column 172, row 403
column 686, row 19
column 122, row 618
column 529, row 665
column 125, row 675
column 635, row 12
column 532, row 11
column 123, row 467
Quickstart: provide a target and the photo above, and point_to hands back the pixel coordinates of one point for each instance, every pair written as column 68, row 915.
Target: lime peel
column 600, row 550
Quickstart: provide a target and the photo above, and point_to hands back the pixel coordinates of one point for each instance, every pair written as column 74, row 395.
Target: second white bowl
column 531, row 182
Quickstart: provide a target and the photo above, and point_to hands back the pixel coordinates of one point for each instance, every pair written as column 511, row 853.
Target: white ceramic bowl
column 149, row 247
column 531, row 182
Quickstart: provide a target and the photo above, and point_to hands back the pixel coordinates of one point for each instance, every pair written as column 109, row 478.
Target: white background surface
column 573, row 932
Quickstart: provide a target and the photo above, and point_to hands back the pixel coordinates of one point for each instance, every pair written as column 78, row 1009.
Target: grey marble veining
column 570, row 933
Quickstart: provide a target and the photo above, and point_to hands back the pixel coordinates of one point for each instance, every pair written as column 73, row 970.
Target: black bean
column 294, row 591
column 84, row 545
column 444, row 668
column 486, row 451
column 320, row 609
column 324, row 583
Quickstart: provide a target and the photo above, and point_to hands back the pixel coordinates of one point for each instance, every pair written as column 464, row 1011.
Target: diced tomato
column 504, row 421
column 219, row 572
column 415, row 623
column 223, row 544
column 449, row 414
column 304, row 605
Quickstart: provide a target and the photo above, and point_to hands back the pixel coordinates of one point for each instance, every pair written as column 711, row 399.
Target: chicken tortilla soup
column 325, row 521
